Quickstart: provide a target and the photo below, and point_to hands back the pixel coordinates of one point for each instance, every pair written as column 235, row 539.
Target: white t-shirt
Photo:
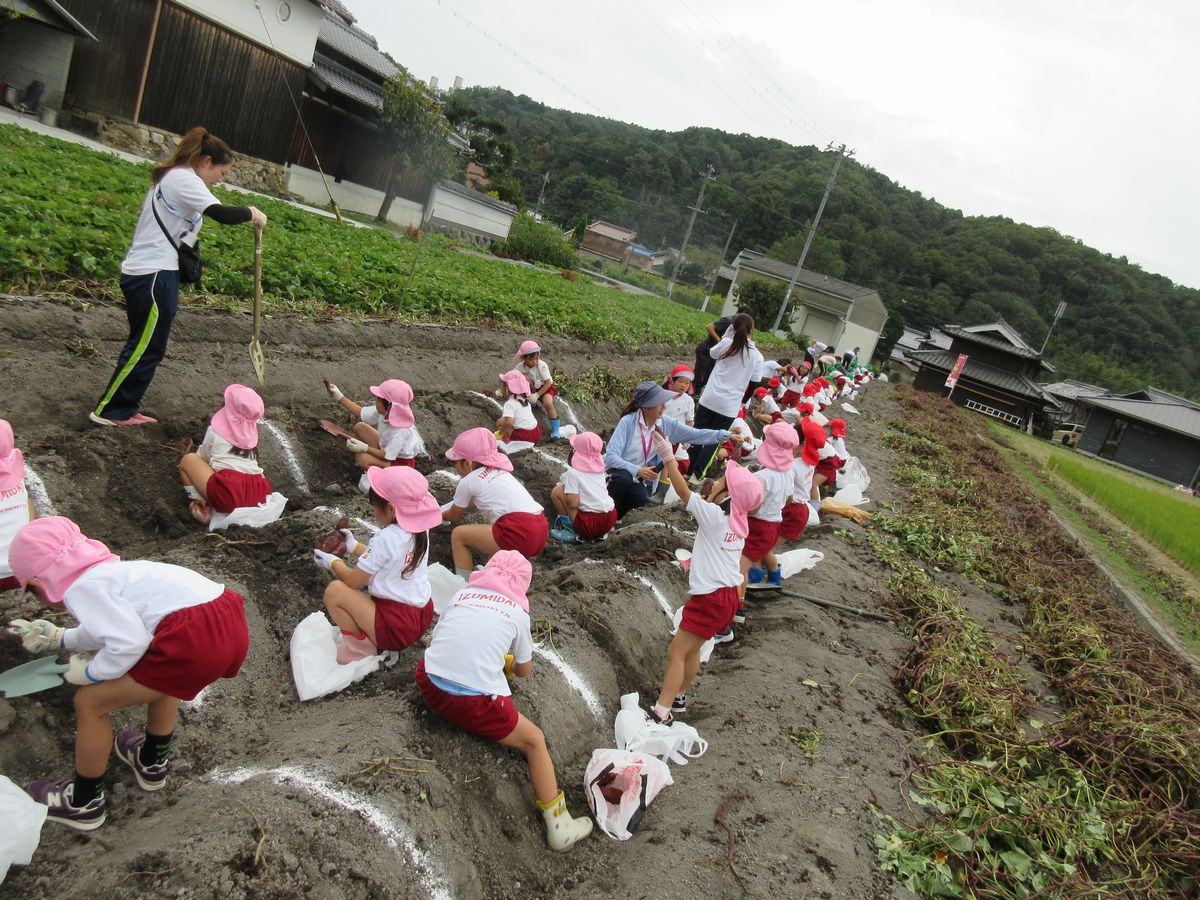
column 396, row 443
column 218, row 453
column 495, row 493
column 777, row 487
column 682, row 408
column 767, row 405
column 739, row 426
column 118, row 606
column 839, row 447
column 770, row 368
column 471, row 637
column 521, row 414
column 802, row 474
column 716, row 552
column 14, row 515
column 537, row 375
column 387, row 554
column 592, row 488
column 181, row 199
column 727, row 383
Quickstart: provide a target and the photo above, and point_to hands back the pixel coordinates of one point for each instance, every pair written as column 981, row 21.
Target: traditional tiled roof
column 776, row 269
column 478, row 197
column 1183, row 417
column 356, row 45
column 1011, row 342
column 1071, row 389
column 54, row 14
column 609, row 230
column 943, row 360
column 347, row 83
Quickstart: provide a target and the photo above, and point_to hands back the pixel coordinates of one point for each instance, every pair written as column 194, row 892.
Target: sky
column 1081, row 116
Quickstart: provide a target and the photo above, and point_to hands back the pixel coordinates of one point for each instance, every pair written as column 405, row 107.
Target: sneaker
column 128, row 747
column 740, row 616
column 135, row 419
column 724, row 637
column 668, row 721
column 561, row 521
column 565, row 535
column 57, row 796
column 679, row 704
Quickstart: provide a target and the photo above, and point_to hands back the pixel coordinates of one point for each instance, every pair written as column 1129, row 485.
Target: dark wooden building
column 1149, row 431
column 1000, row 377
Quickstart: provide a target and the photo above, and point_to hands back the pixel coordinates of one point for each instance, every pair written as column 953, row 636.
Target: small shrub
column 538, row 242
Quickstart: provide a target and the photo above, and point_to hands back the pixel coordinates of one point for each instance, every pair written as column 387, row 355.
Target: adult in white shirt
column 171, row 216
column 737, row 363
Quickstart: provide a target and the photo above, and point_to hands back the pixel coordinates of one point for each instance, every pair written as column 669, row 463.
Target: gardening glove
column 351, row 540
column 663, row 448
column 258, row 217
column 354, row 445
column 77, row 673
column 334, row 391
column 324, row 560
column 509, row 662
column 37, row 636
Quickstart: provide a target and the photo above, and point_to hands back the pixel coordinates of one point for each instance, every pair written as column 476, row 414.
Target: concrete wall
column 295, row 38
column 461, row 216
column 30, row 51
column 857, row 336
column 815, row 323
column 306, row 184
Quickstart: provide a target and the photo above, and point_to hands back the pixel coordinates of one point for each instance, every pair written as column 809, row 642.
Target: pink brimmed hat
column 408, row 492
column 775, row 452
column 507, row 573
column 589, row 452
column 479, row 445
column 516, row 382
column 746, row 493
column 12, row 462
column 237, row 420
column 400, row 395
column 55, row 552
column 526, row 348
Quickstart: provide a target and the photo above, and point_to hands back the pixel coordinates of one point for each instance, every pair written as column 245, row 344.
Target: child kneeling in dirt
column 386, row 433
column 162, row 634
column 542, row 382
column 487, row 483
column 714, row 577
column 224, row 474
column 16, row 507
column 586, row 511
column 801, row 512
column 396, row 608
column 462, row 679
column 775, row 455
column 517, row 421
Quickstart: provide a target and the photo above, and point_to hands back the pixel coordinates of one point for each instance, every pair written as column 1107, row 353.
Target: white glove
column 334, row 392
column 663, row 448
column 37, row 636
column 351, row 540
column 258, row 217
column 77, row 673
column 324, row 560
column 354, row 445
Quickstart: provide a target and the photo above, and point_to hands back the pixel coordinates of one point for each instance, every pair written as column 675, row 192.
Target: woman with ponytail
column 170, row 219
column 737, row 363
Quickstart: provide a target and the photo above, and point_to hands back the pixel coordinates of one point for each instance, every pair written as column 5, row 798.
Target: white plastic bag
column 444, row 584
column 853, row 473
column 620, row 786
column 23, row 818
column 514, row 447
column 793, row 562
column 677, row 742
column 848, row 408
column 254, row 516
column 706, row 649
column 314, row 660
column 851, row 494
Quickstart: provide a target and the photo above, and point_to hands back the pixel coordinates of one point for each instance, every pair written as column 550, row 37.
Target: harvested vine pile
column 1063, row 758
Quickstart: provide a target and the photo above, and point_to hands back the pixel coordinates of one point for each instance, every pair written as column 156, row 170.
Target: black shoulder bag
column 191, row 267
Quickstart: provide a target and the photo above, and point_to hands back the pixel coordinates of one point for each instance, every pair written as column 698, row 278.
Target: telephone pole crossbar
column 709, row 174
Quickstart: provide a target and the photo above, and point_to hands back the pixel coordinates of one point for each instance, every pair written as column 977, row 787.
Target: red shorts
column 194, row 646
column 795, row 520
column 228, row 490
column 552, row 391
column 411, row 462
column 789, row 398
column 400, row 625
column 684, row 464
column 827, row 467
column 761, row 540
column 705, row 615
column 594, row 525
column 526, row 533
column 9, row 584
column 491, row 717
column 533, row 435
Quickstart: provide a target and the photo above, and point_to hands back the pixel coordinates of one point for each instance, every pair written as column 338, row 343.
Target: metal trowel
column 31, row 677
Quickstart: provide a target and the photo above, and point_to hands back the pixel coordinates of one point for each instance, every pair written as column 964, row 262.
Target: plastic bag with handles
column 854, row 473
column 620, row 785
column 23, row 818
column 252, row 516
column 677, row 742
column 314, row 660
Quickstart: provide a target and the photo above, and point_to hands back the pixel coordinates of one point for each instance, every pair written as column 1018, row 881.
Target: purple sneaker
column 128, row 747
column 57, row 796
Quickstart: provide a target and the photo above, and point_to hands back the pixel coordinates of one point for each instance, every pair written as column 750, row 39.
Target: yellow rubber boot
column 562, row 831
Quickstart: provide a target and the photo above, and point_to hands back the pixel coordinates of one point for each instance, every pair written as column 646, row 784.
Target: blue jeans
column 151, row 302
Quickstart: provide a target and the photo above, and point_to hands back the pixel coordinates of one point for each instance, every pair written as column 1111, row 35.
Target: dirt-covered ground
column 272, row 797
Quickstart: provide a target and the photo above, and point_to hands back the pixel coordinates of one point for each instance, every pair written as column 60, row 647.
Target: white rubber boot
column 562, row 831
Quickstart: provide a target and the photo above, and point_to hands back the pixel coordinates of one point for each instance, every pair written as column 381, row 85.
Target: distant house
column 1000, row 377
column 1067, row 394
column 608, row 241
column 37, row 45
column 640, row 257
column 663, row 261
column 1149, row 431
column 900, row 368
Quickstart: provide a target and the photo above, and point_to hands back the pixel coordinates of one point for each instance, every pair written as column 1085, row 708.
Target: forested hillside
column 1124, row 327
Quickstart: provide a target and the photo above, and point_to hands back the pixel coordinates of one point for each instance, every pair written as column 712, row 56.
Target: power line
column 709, row 174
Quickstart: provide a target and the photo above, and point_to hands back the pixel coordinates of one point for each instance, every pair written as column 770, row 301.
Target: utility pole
column 709, row 174
column 713, row 281
column 1058, row 314
column 837, row 164
column 537, row 210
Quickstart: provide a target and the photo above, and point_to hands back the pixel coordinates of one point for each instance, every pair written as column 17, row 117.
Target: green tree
column 763, row 297
column 411, row 122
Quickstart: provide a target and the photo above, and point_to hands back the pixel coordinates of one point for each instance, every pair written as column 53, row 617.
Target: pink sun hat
column 516, row 382
column 775, row 452
column 237, row 420
column 55, row 552
column 526, row 348
column 589, row 452
column 400, row 395
column 479, row 445
column 408, row 492
column 746, row 493
column 507, row 573
column 12, row 461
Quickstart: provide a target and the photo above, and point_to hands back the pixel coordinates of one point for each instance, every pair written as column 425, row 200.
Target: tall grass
column 1171, row 523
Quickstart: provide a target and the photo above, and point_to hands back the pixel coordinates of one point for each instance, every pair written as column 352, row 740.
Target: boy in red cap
column 224, row 474
column 541, row 381
column 801, row 511
column 762, row 407
column 386, row 433
column 838, row 428
column 775, row 455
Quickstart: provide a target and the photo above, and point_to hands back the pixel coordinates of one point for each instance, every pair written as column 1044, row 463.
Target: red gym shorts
column 761, row 540
column 592, row 526
column 9, row 584
column 795, row 520
column 705, row 615
column 827, row 467
column 532, row 435
column 194, row 646
column 404, row 461
column 526, row 533
column 400, row 625
column 491, row 717
column 228, row 490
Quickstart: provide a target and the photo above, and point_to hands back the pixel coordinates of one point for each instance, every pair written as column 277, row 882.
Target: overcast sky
column 1077, row 114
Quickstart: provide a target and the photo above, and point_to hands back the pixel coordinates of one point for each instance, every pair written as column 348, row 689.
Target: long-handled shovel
column 31, row 677
column 256, row 350
column 841, row 607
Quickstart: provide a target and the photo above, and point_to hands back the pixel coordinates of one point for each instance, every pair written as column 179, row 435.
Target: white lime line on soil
column 290, row 459
column 491, row 400
column 574, row 420
column 636, row 526
column 337, row 511
column 433, row 880
column 654, row 591
column 445, row 475
column 38, row 493
column 574, row 678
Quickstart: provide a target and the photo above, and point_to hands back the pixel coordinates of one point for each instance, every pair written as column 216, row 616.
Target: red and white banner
column 959, row 365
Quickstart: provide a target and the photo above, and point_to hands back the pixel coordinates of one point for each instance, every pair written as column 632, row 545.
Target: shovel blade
column 31, row 677
column 258, row 361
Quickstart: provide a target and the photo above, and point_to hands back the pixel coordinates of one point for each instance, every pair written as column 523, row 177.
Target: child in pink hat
column 586, row 511
column 714, row 577
column 386, row 432
column 516, row 422
column 486, row 482
column 775, row 455
column 482, row 636
column 160, row 634
column 533, row 367
column 224, row 474
column 396, row 607
column 16, row 507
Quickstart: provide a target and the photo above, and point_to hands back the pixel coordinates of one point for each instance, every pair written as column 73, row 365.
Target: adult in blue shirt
column 629, row 458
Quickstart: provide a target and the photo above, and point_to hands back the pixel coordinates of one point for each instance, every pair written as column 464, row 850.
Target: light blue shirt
column 626, row 451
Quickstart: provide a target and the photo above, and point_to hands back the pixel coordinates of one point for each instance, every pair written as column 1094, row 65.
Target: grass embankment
column 1093, row 790
column 69, row 212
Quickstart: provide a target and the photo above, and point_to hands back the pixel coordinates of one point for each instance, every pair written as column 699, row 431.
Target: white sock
column 190, row 490
column 661, row 711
